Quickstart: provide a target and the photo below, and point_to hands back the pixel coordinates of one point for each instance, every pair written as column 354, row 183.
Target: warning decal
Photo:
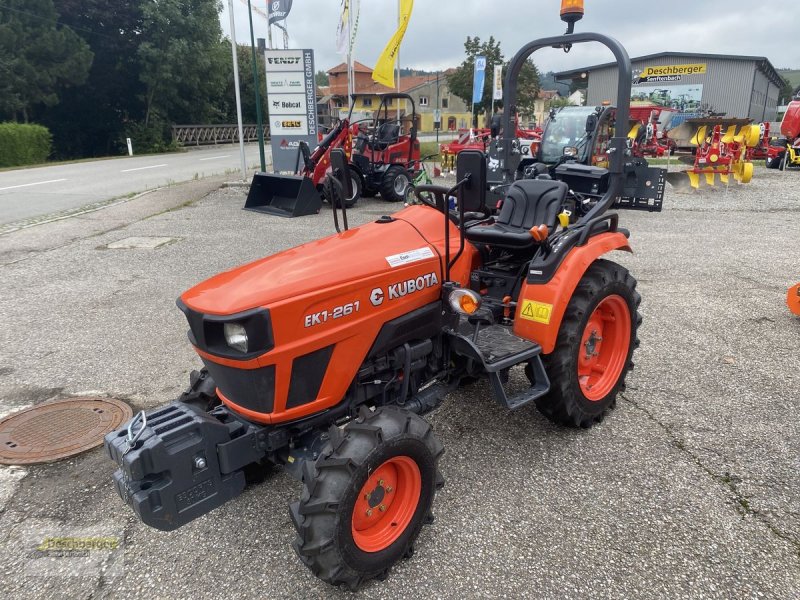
column 536, row 311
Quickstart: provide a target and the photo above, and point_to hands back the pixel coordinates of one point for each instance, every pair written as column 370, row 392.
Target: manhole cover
column 58, row 429
column 147, row 243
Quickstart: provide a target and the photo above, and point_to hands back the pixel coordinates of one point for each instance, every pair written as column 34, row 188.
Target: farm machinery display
column 721, row 152
column 479, row 139
column 301, row 194
column 382, row 159
column 784, row 151
column 324, row 358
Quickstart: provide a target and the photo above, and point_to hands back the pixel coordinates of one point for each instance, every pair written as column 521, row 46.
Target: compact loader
column 324, row 359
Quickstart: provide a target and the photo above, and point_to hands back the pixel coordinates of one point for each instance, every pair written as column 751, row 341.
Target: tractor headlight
column 236, row 336
column 465, row 302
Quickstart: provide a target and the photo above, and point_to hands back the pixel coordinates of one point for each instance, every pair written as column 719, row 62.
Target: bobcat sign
column 291, row 104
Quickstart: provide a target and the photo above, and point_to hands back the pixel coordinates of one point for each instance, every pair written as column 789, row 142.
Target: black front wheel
column 368, row 495
column 592, row 357
column 394, row 183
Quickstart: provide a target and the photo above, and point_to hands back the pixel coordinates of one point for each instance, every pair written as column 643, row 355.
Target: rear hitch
column 177, row 463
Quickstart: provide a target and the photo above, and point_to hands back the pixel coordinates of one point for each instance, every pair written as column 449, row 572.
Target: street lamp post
column 234, row 50
column 259, row 116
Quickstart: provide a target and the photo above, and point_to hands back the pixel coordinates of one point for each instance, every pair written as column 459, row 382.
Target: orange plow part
column 793, row 299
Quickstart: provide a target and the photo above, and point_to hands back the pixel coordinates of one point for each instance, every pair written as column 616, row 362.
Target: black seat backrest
column 388, row 133
column 533, row 202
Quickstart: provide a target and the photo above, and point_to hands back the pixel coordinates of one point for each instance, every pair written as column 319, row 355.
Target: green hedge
column 22, row 144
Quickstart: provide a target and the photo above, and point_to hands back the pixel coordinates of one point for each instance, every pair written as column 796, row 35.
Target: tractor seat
column 528, row 203
column 388, row 134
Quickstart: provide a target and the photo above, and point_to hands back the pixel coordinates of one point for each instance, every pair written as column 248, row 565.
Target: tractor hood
column 354, row 255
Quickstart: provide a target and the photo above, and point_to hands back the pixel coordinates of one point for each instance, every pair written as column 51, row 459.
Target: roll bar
column 618, row 145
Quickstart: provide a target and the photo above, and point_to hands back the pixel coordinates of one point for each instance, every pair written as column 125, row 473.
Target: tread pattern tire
column 565, row 403
column 387, row 183
column 323, row 515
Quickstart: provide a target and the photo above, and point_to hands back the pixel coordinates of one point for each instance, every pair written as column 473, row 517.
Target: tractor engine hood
column 354, row 255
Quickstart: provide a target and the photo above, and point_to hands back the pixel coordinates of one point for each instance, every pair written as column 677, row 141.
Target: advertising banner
column 278, row 10
column 384, row 68
column 497, row 93
column 479, row 79
column 668, row 73
column 291, row 104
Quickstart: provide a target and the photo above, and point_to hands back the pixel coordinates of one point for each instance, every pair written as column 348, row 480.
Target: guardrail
column 205, row 135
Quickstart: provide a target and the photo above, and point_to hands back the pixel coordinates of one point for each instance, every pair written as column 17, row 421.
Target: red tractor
column 785, row 151
column 324, row 358
column 301, row 194
column 385, row 157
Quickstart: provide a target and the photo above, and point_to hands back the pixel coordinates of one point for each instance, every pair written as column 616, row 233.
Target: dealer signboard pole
column 292, row 104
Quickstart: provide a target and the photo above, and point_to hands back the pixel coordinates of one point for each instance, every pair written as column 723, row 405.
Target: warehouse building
column 694, row 84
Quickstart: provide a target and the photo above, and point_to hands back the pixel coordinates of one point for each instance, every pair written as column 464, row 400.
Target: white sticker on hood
column 412, row 256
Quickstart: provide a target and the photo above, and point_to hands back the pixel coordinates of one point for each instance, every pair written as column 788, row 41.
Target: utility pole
column 438, row 107
column 259, row 116
column 351, row 84
column 234, row 49
column 399, row 22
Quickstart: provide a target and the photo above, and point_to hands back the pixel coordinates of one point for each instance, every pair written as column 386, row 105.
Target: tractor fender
column 541, row 307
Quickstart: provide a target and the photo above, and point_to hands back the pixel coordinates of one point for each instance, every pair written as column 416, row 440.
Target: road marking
column 143, row 168
column 13, row 187
column 215, row 157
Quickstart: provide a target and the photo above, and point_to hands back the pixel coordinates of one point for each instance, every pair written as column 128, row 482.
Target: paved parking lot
column 689, row 488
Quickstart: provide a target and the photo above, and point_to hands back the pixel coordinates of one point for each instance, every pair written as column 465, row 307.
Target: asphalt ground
column 30, row 195
column 688, row 489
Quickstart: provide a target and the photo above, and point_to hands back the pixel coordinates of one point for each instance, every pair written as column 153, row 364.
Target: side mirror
column 472, row 195
column 570, row 151
column 340, row 171
column 591, row 123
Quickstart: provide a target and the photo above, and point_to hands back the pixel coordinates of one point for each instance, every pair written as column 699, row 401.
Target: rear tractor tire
column 394, row 184
column 367, row 496
column 592, row 357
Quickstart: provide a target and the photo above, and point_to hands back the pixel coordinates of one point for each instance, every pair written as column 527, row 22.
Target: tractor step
column 497, row 349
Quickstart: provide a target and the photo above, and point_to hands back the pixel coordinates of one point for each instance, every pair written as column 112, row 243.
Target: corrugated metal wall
column 734, row 87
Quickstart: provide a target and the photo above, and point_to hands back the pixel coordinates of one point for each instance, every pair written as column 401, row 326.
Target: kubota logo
column 403, row 288
column 376, row 297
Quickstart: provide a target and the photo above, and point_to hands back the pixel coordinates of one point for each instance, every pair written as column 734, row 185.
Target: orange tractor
column 324, row 358
column 793, row 299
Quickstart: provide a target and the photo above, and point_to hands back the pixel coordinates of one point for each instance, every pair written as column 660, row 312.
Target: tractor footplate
column 497, row 349
column 176, row 463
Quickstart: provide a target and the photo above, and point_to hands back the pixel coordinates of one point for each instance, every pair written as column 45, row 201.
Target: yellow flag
column 384, row 68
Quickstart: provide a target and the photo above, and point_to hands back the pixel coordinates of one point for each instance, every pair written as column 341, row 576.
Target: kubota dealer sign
column 668, row 73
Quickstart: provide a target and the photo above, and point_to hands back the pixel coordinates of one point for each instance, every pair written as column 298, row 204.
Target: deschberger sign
column 668, row 73
column 291, row 104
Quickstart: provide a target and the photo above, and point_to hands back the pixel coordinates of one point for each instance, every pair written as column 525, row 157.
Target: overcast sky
column 438, row 28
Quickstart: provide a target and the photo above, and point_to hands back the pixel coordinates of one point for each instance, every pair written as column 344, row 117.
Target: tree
column 181, row 62
column 786, row 93
column 38, row 57
column 90, row 119
column 460, row 81
column 322, row 78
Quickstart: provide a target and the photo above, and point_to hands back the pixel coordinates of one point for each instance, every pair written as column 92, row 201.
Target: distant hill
column 548, row 82
column 792, row 75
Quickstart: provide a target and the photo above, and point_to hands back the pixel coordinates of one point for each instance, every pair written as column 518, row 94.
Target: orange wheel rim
column 604, row 347
column 386, row 504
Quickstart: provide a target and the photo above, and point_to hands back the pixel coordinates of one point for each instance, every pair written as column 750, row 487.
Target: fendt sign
column 291, row 104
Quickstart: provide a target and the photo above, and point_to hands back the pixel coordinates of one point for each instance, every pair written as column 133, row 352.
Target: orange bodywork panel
column 793, row 299
column 541, row 307
column 338, row 291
